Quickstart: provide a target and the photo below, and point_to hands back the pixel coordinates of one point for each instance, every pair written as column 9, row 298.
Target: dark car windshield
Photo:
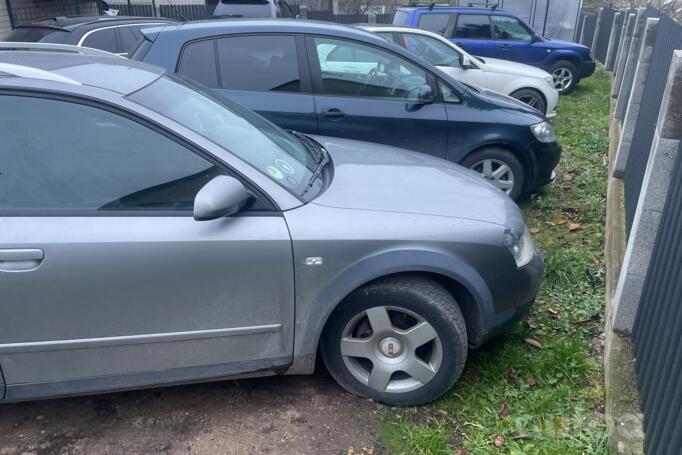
column 271, row 150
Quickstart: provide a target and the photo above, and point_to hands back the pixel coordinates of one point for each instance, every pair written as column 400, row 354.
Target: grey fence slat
column 187, row 12
column 600, row 43
column 134, row 9
column 668, row 38
column 657, row 330
column 588, row 29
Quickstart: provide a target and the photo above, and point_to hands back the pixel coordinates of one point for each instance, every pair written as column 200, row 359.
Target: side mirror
column 426, row 94
column 466, row 62
column 222, row 196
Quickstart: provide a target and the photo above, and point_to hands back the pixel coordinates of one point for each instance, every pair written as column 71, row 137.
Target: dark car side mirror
column 222, row 196
column 426, row 95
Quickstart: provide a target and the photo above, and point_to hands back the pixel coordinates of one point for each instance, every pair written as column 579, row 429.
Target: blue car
column 489, row 32
column 340, row 81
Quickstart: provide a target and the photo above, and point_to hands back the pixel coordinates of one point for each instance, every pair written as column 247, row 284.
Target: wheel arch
column 534, row 89
column 459, row 279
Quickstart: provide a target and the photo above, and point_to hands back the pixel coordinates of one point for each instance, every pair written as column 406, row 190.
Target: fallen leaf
column 498, row 441
column 556, row 314
column 531, row 324
column 504, row 411
column 574, row 227
column 559, row 220
column 567, row 177
column 594, row 318
column 510, row 375
column 572, row 398
column 534, row 230
column 596, row 260
column 461, row 451
column 519, row 437
column 533, row 342
column 530, row 382
column 474, row 376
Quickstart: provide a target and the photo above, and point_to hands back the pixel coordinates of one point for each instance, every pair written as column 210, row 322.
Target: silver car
column 153, row 233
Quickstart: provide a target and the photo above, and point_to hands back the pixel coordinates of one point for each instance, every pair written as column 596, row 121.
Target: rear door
column 366, row 93
column 107, row 280
column 472, row 33
column 267, row 73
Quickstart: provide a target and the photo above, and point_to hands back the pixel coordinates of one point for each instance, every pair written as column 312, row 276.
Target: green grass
column 560, row 412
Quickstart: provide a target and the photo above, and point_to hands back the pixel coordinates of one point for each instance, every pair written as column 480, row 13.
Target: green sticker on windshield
column 274, row 172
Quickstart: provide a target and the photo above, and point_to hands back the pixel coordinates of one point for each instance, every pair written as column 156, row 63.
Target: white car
column 526, row 83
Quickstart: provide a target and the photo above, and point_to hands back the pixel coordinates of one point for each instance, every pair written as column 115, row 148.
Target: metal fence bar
column 668, row 38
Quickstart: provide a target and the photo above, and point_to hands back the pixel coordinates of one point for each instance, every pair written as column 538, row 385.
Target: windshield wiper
column 315, row 149
column 316, row 174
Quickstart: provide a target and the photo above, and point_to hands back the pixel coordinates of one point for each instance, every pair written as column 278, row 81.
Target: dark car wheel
column 565, row 76
column 500, row 166
column 531, row 97
column 401, row 341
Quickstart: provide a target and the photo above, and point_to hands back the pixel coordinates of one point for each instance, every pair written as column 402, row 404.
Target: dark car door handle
column 505, row 46
column 333, row 114
column 13, row 260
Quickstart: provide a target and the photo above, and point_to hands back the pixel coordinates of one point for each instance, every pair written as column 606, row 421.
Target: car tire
column 565, row 76
column 358, row 348
column 489, row 163
column 531, row 97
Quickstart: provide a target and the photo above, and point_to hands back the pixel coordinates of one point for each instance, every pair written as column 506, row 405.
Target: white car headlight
column 522, row 249
column 543, row 132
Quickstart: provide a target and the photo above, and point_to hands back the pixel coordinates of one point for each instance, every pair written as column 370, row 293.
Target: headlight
column 543, row 132
column 522, row 249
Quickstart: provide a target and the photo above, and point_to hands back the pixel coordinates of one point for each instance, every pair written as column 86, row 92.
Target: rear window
column 434, row 22
column 400, row 17
column 32, row 34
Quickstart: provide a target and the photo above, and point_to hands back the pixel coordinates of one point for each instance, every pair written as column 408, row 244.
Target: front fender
column 312, row 315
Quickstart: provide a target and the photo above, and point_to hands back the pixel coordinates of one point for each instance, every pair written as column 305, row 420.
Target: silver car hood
column 376, row 177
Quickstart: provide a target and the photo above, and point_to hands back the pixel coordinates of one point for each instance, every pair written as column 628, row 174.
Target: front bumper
column 545, row 157
column 524, row 289
column 586, row 68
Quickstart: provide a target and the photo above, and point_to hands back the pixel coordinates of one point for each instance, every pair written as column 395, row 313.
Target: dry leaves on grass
column 556, row 314
column 498, row 441
column 510, row 375
column 530, row 382
column 574, row 227
column 504, row 411
column 533, row 342
column 534, row 230
column 596, row 260
column 559, row 221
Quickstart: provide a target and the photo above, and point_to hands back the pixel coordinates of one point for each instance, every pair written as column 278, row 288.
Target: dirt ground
column 279, row 415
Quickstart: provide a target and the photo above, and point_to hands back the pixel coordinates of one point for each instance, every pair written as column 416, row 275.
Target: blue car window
column 473, row 26
column 358, row 70
column 432, row 50
column 434, row 22
column 510, row 28
column 197, row 62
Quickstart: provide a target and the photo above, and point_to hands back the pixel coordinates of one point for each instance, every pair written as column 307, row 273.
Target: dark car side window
column 198, row 62
column 259, row 63
column 104, row 39
column 108, row 163
column 130, row 36
column 510, row 29
column 434, row 22
column 473, row 26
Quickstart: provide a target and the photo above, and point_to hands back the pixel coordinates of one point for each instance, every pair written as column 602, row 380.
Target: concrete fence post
column 641, row 72
column 614, row 39
column 597, row 30
column 303, row 11
column 623, row 54
column 630, row 65
column 655, row 187
column 621, row 40
column 583, row 36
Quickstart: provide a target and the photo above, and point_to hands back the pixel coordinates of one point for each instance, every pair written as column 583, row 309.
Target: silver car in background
column 153, row 234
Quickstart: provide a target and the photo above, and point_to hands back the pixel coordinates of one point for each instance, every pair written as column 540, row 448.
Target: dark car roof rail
column 432, row 5
column 50, row 47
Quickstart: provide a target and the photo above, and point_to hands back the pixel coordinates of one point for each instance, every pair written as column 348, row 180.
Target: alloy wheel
column 391, row 349
column 530, row 100
column 563, row 78
column 498, row 172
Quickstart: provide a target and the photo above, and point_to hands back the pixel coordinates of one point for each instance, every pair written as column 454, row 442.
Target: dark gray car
column 155, row 234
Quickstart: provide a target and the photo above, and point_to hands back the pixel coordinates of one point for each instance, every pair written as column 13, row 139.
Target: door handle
column 505, row 46
column 16, row 260
column 333, row 114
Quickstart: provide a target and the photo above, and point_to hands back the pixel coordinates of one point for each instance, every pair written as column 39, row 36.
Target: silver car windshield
column 268, row 148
